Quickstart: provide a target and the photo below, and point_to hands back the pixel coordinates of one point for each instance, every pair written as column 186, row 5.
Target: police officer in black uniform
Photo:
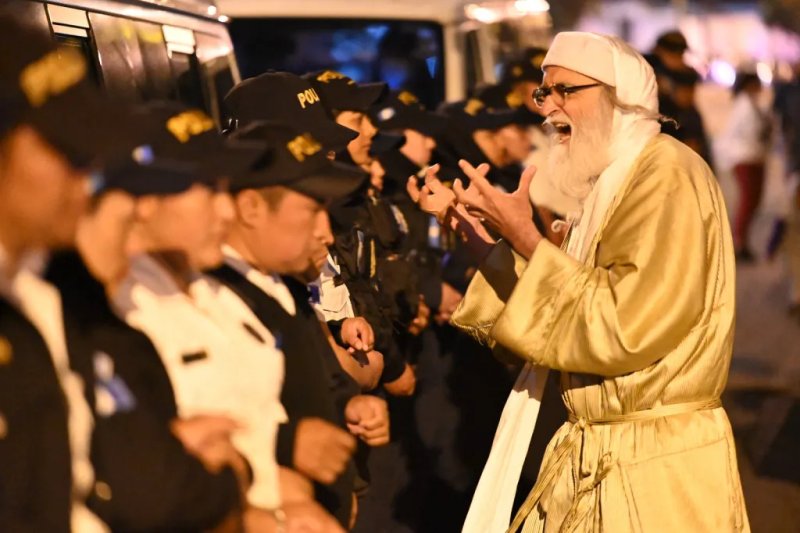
column 55, row 128
column 316, row 386
column 151, row 481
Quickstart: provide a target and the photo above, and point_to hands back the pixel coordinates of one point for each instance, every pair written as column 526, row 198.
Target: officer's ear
column 249, row 207
column 146, row 207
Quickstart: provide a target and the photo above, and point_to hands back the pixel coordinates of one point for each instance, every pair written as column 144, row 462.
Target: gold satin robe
column 647, row 321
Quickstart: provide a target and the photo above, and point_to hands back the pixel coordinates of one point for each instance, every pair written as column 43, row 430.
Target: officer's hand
column 300, row 517
column 433, row 198
column 322, row 450
column 404, row 385
column 450, row 300
column 358, row 335
column 422, row 319
column 200, row 431
column 368, row 418
column 208, row 437
column 310, row 517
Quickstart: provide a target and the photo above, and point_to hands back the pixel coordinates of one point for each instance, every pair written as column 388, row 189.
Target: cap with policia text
column 299, row 162
column 281, row 96
column 527, row 66
column 182, row 147
column 401, row 110
column 499, row 98
column 49, row 89
column 473, row 114
column 340, row 93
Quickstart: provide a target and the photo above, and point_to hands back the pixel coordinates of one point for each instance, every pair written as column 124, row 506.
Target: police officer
column 287, row 98
column 282, row 228
column 217, row 353
column 147, row 480
column 47, row 147
column 362, row 223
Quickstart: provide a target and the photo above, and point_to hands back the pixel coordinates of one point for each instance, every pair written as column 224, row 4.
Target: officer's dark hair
column 273, row 195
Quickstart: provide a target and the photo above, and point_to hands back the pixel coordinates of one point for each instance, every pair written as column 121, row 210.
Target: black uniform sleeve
column 157, row 486
column 284, row 450
column 336, row 330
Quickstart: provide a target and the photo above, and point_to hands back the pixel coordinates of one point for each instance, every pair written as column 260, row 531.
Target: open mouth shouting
column 561, row 130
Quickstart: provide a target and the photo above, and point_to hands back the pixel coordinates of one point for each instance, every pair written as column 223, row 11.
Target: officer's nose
column 324, row 231
column 368, row 129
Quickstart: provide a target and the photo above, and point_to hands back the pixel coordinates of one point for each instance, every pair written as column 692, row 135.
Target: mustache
column 554, row 123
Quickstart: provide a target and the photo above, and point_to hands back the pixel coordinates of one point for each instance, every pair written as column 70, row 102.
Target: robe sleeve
column 488, row 293
column 643, row 297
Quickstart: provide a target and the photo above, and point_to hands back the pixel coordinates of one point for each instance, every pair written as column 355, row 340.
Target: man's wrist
column 526, row 242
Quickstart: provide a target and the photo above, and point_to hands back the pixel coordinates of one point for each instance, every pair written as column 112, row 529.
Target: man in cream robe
column 636, row 313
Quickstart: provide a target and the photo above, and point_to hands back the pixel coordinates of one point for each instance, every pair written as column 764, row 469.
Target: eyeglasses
column 559, row 92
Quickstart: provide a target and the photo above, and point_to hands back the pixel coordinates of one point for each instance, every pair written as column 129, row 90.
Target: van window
column 186, row 72
column 405, row 54
column 84, row 47
column 138, row 64
column 216, row 61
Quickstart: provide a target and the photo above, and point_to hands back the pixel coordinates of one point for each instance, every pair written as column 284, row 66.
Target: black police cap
column 501, row 98
column 180, row 147
column 298, row 161
column 400, row 110
column 48, row 88
column 340, row 93
column 285, row 97
column 473, row 114
column 525, row 66
column 384, row 143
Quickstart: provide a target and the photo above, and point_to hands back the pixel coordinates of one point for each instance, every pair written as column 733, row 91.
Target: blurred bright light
column 223, row 18
column 532, row 6
column 212, row 10
column 482, row 14
column 764, row 73
column 723, row 73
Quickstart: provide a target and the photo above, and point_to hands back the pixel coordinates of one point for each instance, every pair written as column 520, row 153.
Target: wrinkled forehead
column 555, row 74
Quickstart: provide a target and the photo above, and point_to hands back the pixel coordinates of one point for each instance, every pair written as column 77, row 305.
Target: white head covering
column 613, row 62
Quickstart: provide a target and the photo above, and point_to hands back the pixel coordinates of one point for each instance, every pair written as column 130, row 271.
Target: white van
column 431, row 47
column 144, row 50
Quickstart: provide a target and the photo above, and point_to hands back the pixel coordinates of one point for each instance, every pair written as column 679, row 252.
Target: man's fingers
column 432, row 174
column 465, row 196
column 476, row 178
column 413, row 188
column 483, row 168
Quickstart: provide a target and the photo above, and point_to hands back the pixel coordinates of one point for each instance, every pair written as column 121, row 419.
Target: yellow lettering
column 473, row 106
column 303, row 146
column 329, row 75
column 407, row 98
column 309, row 96
column 51, row 75
column 188, row 124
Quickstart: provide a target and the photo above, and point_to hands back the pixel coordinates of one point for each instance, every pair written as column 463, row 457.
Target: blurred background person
column 744, row 147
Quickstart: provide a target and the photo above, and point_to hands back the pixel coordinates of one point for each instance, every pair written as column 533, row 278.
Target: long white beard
column 574, row 166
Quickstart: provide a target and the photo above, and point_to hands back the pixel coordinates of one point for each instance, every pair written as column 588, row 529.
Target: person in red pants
column 746, row 142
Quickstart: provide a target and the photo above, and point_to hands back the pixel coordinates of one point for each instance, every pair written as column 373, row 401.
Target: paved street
column 765, row 374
